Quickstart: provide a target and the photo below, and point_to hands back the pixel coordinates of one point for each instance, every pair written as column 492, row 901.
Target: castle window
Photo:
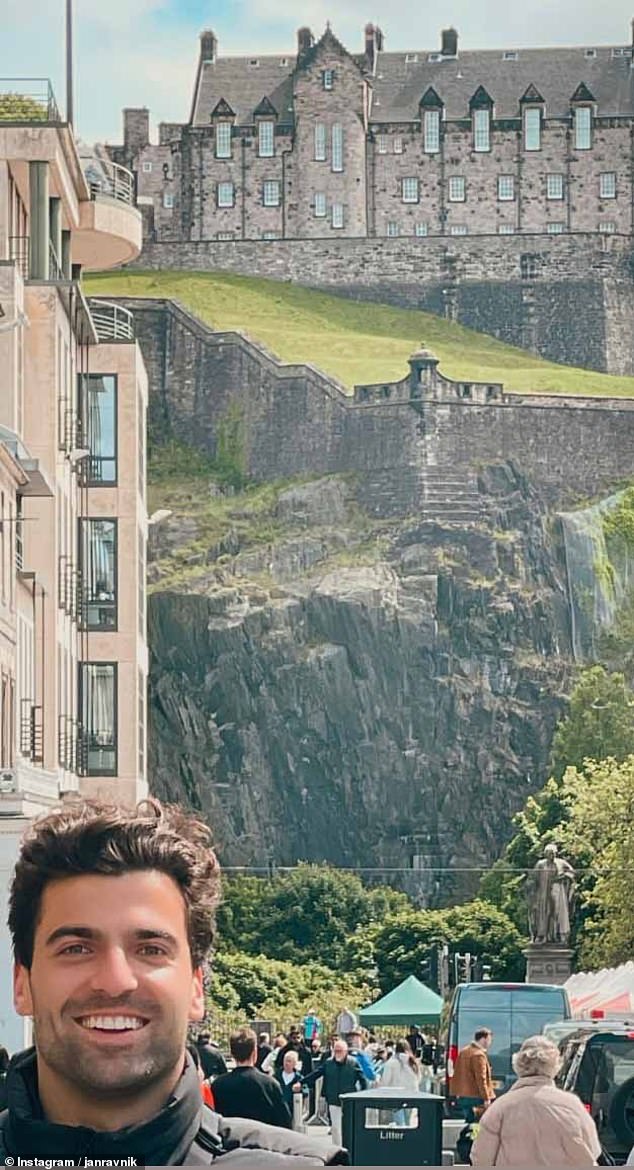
column 420, row 229
column 392, row 228
column 607, row 227
column 225, row 195
column 431, row 132
column 168, row 199
column 223, row 140
column 554, row 186
column 583, row 127
column 398, row 144
column 554, row 228
column 271, row 193
column 337, row 147
column 409, row 190
column 457, row 191
column 481, row 130
column 607, row 185
column 336, row 215
column 147, row 168
column 320, row 205
column 528, row 266
column 506, row 229
column 266, row 139
column 532, row 128
column 320, row 142
column 225, row 236
column 328, row 78
column 506, row 188
column 270, row 236
column 381, row 143
column 458, row 229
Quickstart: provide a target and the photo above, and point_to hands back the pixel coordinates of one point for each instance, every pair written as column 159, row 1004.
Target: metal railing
column 27, row 100
column 68, row 742
column 19, row 253
column 31, row 731
column 112, row 322
column 108, row 180
column 55, row 271
column 19, row 545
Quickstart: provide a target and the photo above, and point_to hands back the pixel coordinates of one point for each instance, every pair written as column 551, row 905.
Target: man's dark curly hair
column 89, row 837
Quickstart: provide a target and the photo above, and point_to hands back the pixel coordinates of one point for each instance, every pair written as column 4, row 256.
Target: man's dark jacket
column 343, row 1076
column 212, row 1061
column 173, row 1137
column 305, row 1058
column 247, row 1092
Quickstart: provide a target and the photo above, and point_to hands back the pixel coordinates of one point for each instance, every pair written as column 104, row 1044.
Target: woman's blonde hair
column 538, row 1057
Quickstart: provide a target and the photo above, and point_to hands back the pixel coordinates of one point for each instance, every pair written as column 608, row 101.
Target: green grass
column 353, row 341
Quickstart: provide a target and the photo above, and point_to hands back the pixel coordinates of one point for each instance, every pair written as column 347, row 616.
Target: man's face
column 111, row 987
column 295, row 1037
column 486, row 1041
column 290, row 1062
column 340, row 1051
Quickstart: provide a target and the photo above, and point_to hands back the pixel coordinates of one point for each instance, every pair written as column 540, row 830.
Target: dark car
column 599, row 1067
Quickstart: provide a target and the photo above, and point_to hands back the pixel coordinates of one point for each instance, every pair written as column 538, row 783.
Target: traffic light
column 429, row 969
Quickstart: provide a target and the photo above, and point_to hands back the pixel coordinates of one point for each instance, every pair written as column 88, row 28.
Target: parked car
column 598, row 1065
column 513, row 1012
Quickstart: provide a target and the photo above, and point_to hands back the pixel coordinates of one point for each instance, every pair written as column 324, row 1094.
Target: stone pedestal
column 548, row 963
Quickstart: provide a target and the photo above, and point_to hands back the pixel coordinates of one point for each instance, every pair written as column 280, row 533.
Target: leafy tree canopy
column 599, row 723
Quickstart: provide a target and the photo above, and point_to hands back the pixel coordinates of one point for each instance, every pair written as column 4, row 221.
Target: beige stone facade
column 383, row 144
column 73, row 522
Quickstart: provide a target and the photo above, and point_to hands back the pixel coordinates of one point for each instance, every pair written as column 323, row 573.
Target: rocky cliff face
column 377, row 695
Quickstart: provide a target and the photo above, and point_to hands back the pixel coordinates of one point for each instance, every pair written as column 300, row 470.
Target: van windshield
column 512, row 1015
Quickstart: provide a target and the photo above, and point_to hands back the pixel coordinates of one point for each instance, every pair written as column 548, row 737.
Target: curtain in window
column 99, row 703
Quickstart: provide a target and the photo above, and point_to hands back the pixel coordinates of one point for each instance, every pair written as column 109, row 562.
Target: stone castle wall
column 296, row 421
column 569, row 298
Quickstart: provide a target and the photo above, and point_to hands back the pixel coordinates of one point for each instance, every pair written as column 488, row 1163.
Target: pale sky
column 144, row 52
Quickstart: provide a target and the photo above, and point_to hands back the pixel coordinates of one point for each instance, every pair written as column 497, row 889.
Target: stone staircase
column 450, row 497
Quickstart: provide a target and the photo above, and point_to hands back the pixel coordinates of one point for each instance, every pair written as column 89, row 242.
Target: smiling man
column 112, row 915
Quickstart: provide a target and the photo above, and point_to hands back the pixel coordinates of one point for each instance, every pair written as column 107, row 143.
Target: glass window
column 320, row 205
column 607, row 185
column 147, row 167
column 266, row 139
column 225, row 195
column 141, row 725
column 506, row 188
column 320, row 142
column 98, row 406
column 337, row 215
column 168, row 199
column 223, row 140
column 431, row 131
column 141, row 583
column 270, row 235
column 381, row 143
column 555, row 229
column 98, row 708
column 458, row 229
column 607, row 226
column 420, row 229
column 506, row 229
column 225, row 235
column 481, row 130
column 532, row 128
column 271, row 193
column 337, row 147
column 392, row 228
column 328, row 77
column 457, row 192
column 98, row 560
column 398, row 144
column 583, row 128
column 554, row 186
column 409, row 190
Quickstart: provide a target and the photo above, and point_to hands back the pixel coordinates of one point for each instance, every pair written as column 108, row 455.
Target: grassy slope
column 353, row 341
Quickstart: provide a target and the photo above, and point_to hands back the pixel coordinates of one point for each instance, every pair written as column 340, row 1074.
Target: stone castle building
column 325, row 143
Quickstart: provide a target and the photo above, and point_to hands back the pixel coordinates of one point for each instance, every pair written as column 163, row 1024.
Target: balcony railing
column 27, row 100
column 31, row 731
column 108, row 180
column 54, row 266
column 68, row 746
column 112, row 322
column 19, row 253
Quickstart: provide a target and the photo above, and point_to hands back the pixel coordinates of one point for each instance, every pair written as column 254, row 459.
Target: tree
column 599, row 723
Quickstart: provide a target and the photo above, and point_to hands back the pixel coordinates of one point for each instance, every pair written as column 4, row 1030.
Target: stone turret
column 423, row 365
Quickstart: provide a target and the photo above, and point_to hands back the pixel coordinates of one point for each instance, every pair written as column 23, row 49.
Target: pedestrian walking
column 279, row 1042
column 296, row 1044
column 357, row 1050
column 264, row 1049
column 471, row 1082
column 211, row 1058
column 111, row 915
column 402, row 1070
column 535, row 1123
column 311, row 1026
column 248, row 1092
column 341, row 1074
column 289, row 1079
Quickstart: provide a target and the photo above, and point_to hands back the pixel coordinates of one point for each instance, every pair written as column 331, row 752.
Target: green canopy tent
column 409, row 1003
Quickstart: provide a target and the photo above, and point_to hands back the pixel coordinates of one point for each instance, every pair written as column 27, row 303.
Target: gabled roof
column 582, row 94
column 222, row 109
column 264, row 108
column 327, row 42
column 430, row 99
column 400, row 79
column 480, row 100
column 243, row 85
column 532, row 95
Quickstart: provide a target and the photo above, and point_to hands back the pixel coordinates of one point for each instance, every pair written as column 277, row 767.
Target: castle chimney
column 373, row 44
column 208, row 45
column 136, row 131
column 449, row 42
column 633, row 41
column 305, row 42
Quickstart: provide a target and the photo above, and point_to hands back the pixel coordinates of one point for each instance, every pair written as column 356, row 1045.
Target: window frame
column 97, row 628
column 381, row 143
column 528, row 117
column 555, row 227
column 224, row 127
column 551, row 186
column 392, row 230
column 397, row 145
column 580, row 130
column 431, row 132
column 611, row 194
column 271, row 183
column 607, row 227
column 414, row 197
column 336, row 142
column 451, row 181
column 421, row 229
column 320, row 142
column 507, row 181
column 458, row 229
column 266, row 138
column 320, row 195
column 146, row 166
column 337, row 208
column 328, row 79
column 168, row 200
column 87, row 479
column 481, row 130
column 83, row 675
column 223, row 205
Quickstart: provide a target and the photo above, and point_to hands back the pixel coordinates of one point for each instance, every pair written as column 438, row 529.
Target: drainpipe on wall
column 243, row 159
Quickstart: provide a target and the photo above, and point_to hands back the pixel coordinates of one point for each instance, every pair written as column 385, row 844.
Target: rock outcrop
column 379, row 695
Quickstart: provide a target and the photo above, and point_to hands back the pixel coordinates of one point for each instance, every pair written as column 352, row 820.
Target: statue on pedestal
column 549, row 893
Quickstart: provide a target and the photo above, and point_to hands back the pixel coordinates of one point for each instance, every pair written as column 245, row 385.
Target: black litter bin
column 389, row 1127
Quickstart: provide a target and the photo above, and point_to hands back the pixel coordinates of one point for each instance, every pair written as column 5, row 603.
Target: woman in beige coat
column 535, row 1123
